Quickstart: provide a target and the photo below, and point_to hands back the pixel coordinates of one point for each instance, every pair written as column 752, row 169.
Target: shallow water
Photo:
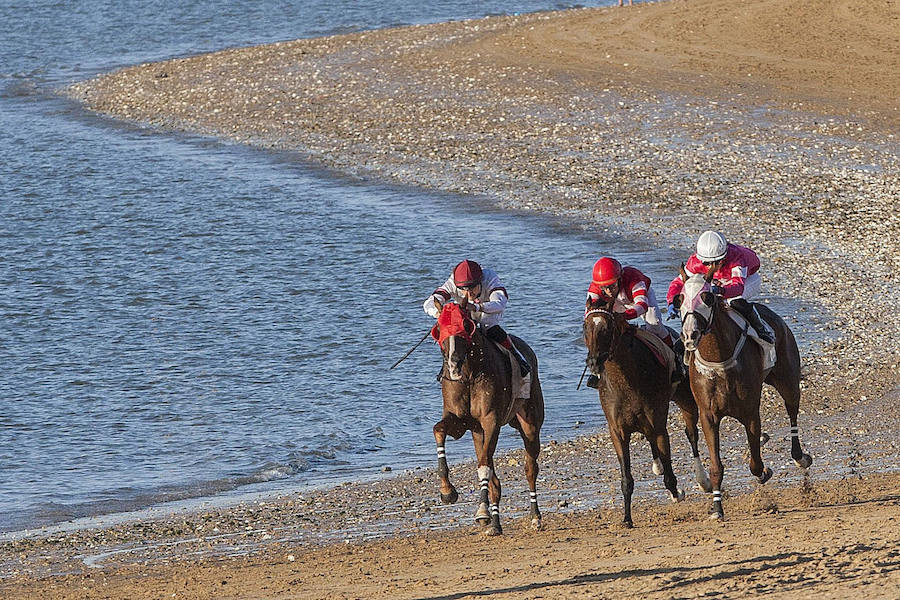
column 184, row 318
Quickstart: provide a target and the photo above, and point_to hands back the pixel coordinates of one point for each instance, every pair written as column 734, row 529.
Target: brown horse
column 478, row 397
column 727, row 372
column 635, row 390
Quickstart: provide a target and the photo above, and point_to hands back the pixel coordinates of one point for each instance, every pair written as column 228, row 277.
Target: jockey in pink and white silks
column 736, row 278
column 485, row 298
column 631, row 292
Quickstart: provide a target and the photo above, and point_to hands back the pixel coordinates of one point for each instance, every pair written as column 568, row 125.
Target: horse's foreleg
column 491, row 433
column 690, row 431
column 531, row 436
column 710, row 425
column 622, row 444
column 449, row 424
column 663, row 449
column 754, row 430
column 483, row 514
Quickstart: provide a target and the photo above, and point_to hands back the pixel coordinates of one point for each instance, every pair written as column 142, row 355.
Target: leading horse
column 477, row 388
column 727, row 372
column 635, row 390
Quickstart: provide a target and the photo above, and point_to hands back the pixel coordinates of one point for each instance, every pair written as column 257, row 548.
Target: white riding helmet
column 711, row 246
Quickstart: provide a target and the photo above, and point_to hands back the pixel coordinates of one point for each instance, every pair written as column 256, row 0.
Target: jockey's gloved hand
column 672, row 312
column 716, row 289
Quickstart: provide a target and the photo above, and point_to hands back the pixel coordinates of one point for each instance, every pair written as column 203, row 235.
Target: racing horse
column 727, row 373
column 476, row 385
column 635, row 390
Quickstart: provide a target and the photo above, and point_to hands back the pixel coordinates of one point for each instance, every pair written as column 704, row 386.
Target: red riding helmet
column 467, row 273
column 606, row 271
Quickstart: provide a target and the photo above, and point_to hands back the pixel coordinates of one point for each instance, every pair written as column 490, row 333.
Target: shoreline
column 643, row 129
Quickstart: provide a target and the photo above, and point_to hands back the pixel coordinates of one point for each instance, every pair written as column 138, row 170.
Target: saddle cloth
column 664, row 355
column 521, row 386
column 768, row 349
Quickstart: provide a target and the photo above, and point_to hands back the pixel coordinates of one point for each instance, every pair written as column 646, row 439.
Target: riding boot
column 748, row 311
column 524, row 367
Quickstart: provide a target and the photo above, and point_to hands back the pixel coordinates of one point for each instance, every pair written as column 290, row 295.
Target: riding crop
column 427, row 333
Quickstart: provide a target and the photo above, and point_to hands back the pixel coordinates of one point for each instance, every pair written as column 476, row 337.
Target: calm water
column 183, row 318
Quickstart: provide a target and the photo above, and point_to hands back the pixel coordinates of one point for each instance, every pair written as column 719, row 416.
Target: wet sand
column 773, row 121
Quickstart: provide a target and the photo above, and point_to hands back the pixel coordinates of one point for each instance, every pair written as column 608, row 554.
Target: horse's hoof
column 714, row 516
column 492, row 531
column 678, row 496
column 763, row 438
column 536, row 524
column 805, row 461
column 450, row 498
column 482, row 515
column 628, row 524
column 766, row 475
column 657, row 467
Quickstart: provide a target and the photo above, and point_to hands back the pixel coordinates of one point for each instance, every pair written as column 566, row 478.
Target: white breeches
column 652, row 317
column 751, row 287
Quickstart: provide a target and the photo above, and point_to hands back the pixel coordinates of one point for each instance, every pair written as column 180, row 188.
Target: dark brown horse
column 727, row 372
column 635, row 390
column 478, row 397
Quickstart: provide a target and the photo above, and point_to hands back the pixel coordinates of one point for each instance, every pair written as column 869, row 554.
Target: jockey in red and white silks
column 485, row 299
column 491, row 299
column 631, row 291
column 736, row 276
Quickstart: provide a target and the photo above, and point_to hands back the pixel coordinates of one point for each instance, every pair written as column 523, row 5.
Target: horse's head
column 696, row 304
column 453, row 332
column 601, row 332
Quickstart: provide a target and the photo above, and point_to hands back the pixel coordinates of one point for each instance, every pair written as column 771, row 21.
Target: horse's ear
column 588, row 304
column 677, row 300
column 708, row 298
column 684, row 275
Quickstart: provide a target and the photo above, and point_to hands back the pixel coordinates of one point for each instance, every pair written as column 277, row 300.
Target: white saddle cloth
column 767, row 348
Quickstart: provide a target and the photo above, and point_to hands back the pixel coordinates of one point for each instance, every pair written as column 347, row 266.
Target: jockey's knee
column 497, row 334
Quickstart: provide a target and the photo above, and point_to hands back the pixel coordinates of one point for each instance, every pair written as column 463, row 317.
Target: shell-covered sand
column 774, row 121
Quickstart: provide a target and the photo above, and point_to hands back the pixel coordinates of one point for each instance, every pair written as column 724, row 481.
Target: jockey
column 632, row 295
column 630, row 289
column 486, row 299
column 736, row 279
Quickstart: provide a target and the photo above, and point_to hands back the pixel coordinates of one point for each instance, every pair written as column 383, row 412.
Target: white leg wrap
column 533, row 497
column 495, row 509
column 717, row 495
column 795, row 432
column 440, row 451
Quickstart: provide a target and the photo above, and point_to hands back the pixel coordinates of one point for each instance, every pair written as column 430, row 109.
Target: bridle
column 613, row 344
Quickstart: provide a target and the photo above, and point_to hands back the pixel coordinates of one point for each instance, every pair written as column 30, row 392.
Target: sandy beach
column 776, row 122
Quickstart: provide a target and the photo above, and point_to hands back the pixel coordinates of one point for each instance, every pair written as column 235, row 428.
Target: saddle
column 521, row 386
column 769, row 354
column 664, row 355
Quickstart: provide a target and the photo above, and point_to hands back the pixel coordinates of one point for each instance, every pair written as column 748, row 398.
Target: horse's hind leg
column 453, row 426
column 531, row 436
column 754, row 430
column 661, row 446
column 789, row 389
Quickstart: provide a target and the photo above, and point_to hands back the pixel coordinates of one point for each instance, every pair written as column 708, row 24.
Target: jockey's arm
column 734, row 285
column 442, row 295
column 496, row 302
